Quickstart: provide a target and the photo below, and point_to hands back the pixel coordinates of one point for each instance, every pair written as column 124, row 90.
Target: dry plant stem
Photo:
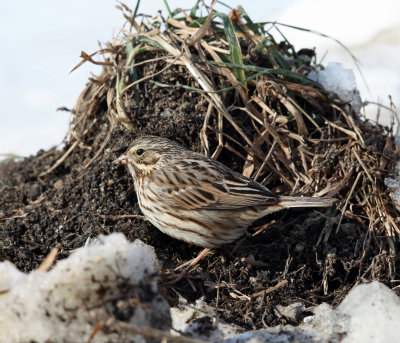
column 229, row 75
column 269, row 290
column 331, row 192
column 3, row 219
column 99, row 325
column 220, row 145
column 188, row 17
column 391, row 219
column 150, row 76
column 229, row 137
column 49, row 260
column 127, row 216
column 131, row 56
column 298, row 108
column 351, row 123
column 175, row 278
column 138, row 64
column 296, row 113
column 203, row 131
column 182, row 26
column 61, row 159
column 202, row 31
column 237, row 153
column 103, row 145
column 270, row 152
column 208, row 68
column 225, row 71
column 362, row 164
column 348, row 132
column 85, row 57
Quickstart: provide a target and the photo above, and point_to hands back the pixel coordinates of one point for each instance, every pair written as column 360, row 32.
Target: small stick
column 270, row 290
column 48, row 261
column 347, row 201
column 60, row 160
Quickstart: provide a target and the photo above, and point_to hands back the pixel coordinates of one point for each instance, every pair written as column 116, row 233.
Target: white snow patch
column 337, row 79
column 394, row 182
column 200, row 320
column 61, row 305
column 369, row 313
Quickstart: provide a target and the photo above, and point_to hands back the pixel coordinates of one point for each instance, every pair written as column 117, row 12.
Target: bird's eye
column 139, row 152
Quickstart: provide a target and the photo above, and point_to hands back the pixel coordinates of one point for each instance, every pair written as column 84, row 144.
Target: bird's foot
column 184, row 274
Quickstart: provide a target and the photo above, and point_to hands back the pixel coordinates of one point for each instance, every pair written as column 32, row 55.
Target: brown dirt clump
column 276, row 126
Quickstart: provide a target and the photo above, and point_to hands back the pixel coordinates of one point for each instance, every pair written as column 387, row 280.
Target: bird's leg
column 175, row 278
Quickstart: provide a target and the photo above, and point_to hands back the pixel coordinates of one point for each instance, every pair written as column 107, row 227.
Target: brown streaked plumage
column 196, row 199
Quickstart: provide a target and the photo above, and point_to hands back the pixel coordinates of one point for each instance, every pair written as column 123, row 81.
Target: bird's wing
column 216, row 188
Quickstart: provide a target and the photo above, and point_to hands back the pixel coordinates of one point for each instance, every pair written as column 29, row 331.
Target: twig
column 347, row 201
column 270, row 290
column 61, row 159
column 271, row 150
column 362, row 164
column 103, row 145
column 48, row 261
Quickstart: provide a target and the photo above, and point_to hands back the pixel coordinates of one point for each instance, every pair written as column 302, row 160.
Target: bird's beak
column 123, row 160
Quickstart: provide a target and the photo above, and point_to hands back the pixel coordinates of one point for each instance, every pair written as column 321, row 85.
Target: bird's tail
column 288, row 202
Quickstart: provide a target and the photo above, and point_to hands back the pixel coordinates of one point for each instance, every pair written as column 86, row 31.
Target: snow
column 195, row 319
column 337, row 79
column 62, row 305
column 393, row 182
column 369, row 313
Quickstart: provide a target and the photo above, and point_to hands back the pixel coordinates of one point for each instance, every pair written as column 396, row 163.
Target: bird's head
column 148, row 153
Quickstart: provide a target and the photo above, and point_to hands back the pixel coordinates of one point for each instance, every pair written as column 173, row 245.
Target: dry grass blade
column 98, row 152
column 88, row 58
column 61, row 159
column 204, row 29
column 49, row 260
column 271, row 289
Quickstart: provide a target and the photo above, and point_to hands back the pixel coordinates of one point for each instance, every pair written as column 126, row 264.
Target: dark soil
column 67, row 206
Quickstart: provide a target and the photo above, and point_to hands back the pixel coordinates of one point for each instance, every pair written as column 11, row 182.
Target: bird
column 196, row 199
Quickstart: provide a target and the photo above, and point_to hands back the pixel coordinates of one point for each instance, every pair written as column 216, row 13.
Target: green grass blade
column 305, row 80
column 253, row 27
column 278, row 57
column 135, row 11
column 149, row 41
column 224, row 4
column 194, row 10
column 170, row 15
column 234, row 46
column 118, row 84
